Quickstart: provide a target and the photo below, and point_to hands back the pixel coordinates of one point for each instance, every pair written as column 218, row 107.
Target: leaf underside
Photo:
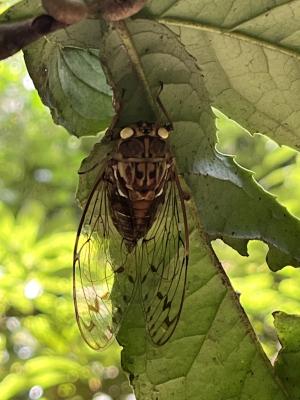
column 66, row 71
column 224, row 181
column 214, row 353
column 249, row 55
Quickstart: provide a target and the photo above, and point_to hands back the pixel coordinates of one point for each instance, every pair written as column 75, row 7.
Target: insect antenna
column 162, row 107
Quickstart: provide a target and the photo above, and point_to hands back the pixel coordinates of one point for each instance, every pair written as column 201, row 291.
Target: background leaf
column 66, row 70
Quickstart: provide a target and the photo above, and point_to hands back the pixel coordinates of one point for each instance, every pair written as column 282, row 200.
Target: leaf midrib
column 126, row 38
column 232, row 34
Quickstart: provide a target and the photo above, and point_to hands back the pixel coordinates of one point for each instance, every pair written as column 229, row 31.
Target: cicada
column 132, row 239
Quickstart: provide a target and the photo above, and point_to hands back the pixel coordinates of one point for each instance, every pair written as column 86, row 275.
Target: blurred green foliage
column 42, row 355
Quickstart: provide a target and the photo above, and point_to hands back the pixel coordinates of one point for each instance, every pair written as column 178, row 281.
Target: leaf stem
column 125, row 36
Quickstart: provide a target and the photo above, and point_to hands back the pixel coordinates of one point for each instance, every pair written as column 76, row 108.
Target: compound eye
column 163, row 133
column 126, row 133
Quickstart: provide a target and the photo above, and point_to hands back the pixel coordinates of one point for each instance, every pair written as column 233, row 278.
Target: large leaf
column 225, row 192
column 83, row 110
column 249, row 54
column 257, row 84
column 66, row 71
column 213, row 353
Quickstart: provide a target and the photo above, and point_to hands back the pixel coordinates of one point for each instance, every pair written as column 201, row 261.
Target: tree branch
column 15, row 36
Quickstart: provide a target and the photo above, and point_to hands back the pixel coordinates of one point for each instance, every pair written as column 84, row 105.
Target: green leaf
column 90, row 168
column 249, row 55
column 232, row 205
column 288, row 360
column 77, row 91
column 213, row 353
column 282, row 242
column 235, row 208
column 66, row 71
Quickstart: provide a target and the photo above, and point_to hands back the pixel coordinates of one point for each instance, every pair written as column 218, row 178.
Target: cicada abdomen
column 132, row 238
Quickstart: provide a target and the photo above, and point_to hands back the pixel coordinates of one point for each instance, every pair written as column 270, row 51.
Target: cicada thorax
column 138, row 172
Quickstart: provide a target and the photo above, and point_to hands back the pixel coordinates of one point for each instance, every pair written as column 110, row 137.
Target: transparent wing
column 104, row 274
column 163, row 259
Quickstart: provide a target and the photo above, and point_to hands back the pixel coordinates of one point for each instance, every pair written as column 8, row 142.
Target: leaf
column 235, row 208
column 214, row 353
column 288, row 360
column 249, row 55
column 90, row 169
column 46, row 334
column 67, row 73
column 224, row 180
column 232, row 205
column 282, row 243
